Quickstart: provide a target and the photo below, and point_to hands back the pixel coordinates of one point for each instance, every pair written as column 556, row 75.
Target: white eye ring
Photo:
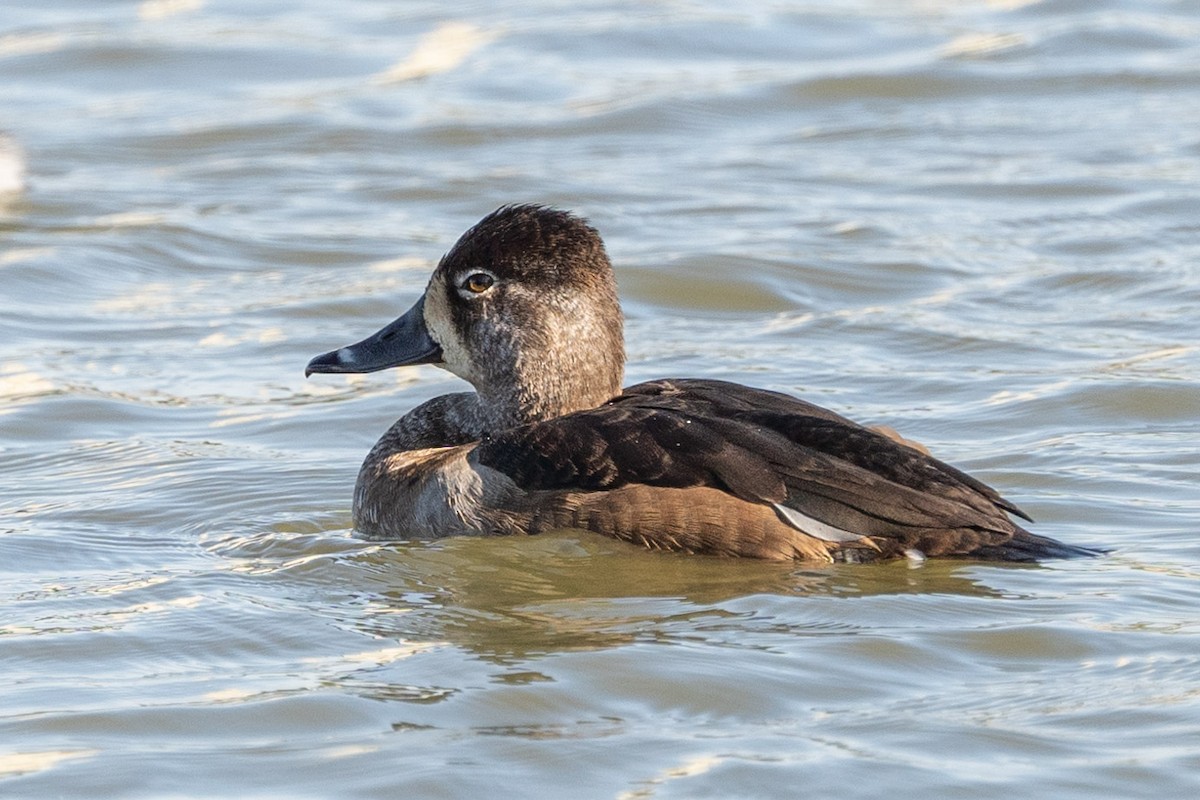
column 475, row 283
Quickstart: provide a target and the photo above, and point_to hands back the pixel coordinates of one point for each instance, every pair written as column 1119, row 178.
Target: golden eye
column 478, row 282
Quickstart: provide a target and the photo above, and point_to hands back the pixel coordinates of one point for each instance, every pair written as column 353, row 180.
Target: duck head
column 524, row 307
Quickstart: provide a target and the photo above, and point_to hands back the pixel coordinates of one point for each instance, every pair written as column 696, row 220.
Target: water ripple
column 973, row 222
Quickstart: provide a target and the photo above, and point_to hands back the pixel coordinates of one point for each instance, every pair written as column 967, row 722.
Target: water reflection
column 511, row 599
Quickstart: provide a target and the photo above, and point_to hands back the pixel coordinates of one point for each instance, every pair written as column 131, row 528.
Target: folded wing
column 822, row 474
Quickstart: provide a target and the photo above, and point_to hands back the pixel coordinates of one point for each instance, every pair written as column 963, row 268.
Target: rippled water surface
column 977, row 222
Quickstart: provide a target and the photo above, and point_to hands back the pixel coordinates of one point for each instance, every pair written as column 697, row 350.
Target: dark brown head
column 524, row 306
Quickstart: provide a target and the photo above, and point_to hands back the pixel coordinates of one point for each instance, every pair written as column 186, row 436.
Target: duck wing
column 823, row 474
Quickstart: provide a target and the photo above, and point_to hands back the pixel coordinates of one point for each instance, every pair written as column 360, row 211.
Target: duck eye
column 478, row 282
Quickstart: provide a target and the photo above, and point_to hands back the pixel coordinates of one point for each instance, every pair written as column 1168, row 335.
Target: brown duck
column 524, row 307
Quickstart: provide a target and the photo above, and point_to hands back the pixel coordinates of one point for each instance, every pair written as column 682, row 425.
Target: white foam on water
column 12, row 164
column 161, row 9
column 441, row 50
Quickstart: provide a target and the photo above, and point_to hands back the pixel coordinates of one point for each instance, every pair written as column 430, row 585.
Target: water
column 975, row 222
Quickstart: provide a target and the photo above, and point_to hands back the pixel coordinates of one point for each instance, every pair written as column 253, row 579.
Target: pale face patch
column 440, row 324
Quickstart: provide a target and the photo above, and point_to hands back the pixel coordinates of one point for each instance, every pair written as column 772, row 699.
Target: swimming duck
column 524, row 307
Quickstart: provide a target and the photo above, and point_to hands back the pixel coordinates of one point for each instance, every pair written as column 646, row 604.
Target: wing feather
column 760, row 446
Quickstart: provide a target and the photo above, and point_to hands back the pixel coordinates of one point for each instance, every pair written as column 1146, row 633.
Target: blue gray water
column 977, row 222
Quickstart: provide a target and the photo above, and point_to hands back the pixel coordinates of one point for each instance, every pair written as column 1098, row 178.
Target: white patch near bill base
column 346, row 355
column 814, row 527
column 439, row 324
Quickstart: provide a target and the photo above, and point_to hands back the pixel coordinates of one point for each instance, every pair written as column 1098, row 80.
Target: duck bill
column 401, row 343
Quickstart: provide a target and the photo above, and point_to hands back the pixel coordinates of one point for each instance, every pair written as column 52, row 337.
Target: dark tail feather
column 1026, row 546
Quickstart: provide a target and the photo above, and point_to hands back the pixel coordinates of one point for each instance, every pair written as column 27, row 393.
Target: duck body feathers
column 848, row 490
column 701, row 466
column 524, row 307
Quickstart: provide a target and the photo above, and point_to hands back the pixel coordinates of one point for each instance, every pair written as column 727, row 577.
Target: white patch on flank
column 814, row 527
column 440, row 50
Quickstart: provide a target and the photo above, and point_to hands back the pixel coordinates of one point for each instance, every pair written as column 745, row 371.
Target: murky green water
column 976, row 222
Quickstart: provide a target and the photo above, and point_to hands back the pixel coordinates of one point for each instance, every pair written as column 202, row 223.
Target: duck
column 524, row 308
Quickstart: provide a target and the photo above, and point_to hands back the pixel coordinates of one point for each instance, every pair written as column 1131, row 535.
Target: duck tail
column 1028, row 547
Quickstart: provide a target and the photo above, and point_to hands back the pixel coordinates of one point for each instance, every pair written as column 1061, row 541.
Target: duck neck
column 544, row 391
